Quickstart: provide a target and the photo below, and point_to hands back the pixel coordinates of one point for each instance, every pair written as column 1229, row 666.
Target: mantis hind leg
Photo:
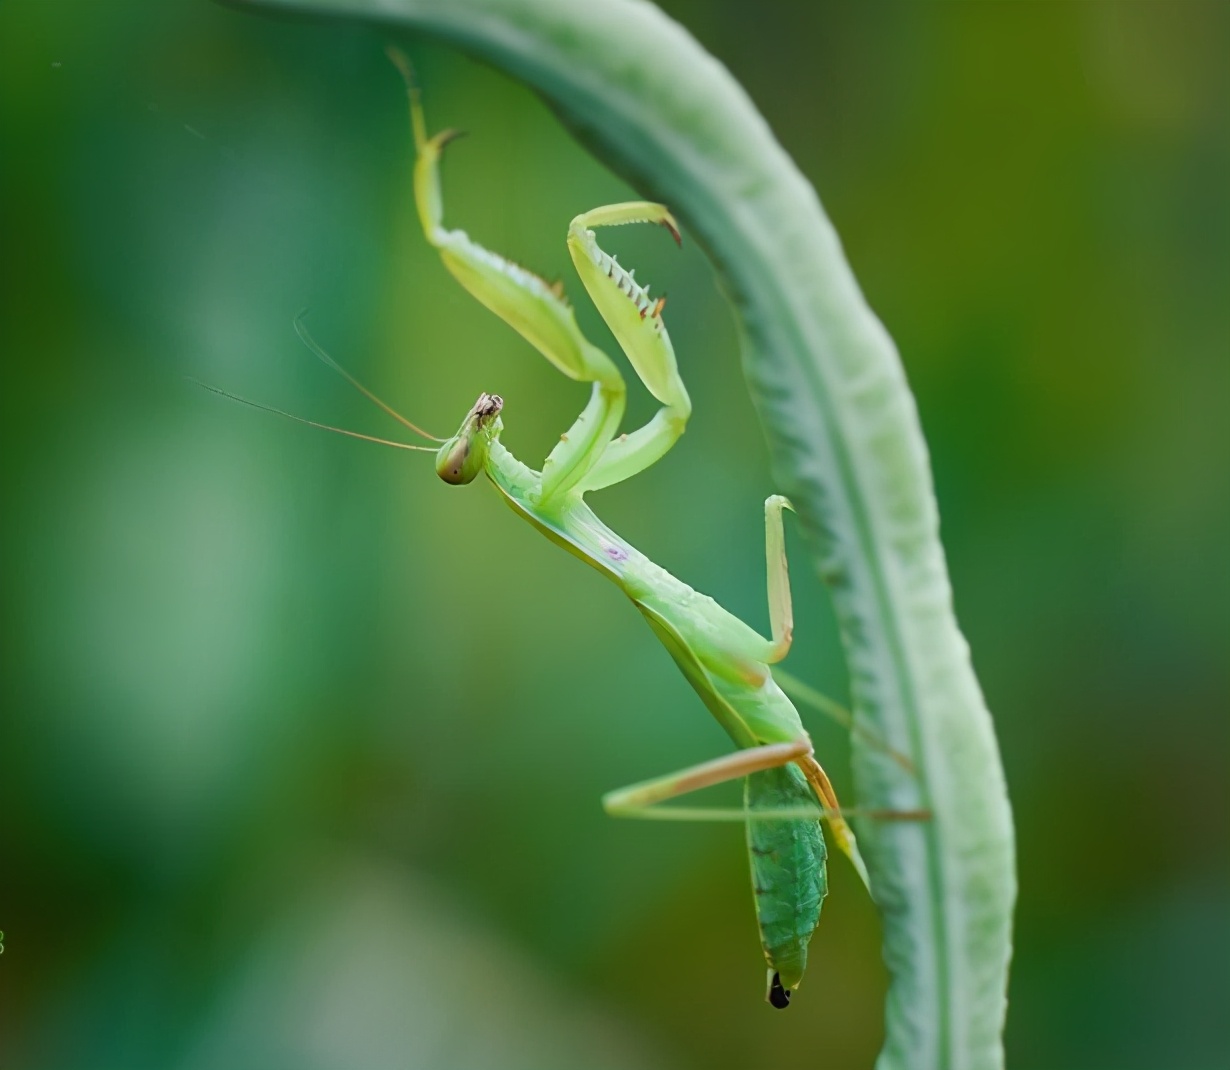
column 843, row 835
column 534, row 308
column 643, row 799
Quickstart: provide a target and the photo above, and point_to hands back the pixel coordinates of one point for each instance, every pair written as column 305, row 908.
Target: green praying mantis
column 727, row 662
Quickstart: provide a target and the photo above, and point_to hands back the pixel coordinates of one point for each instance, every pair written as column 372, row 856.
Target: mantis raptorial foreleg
column 538, row 311
column 636, row 321
column 534, row 308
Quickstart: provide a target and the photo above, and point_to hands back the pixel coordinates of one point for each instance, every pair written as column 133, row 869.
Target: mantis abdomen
column 789, row 877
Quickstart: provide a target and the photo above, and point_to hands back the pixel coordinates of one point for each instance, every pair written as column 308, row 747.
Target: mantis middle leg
column 781, row 618
column 743, row 655
column 781, row 606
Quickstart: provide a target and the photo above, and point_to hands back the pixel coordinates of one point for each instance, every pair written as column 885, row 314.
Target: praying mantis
column 727, row 662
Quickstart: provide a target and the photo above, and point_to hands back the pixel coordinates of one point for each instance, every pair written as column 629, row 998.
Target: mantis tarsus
column 726, row 661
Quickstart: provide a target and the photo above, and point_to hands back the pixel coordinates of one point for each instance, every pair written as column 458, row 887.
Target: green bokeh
column 302, row 749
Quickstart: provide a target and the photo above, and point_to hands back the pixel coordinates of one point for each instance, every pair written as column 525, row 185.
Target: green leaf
column 846, row 447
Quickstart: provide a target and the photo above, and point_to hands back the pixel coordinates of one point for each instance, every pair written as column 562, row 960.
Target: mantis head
column 463, row 456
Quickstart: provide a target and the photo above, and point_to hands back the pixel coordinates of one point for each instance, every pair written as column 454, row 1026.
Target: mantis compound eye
column 779, row 997
column 457, row 463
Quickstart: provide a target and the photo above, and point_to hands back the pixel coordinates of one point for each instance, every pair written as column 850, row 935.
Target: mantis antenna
column 311, row 423
column 306, row 338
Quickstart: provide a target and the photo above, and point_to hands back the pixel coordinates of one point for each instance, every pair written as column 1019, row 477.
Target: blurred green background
column 302, row 748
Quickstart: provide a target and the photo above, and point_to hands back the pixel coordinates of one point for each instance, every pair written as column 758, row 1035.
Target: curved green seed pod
column 848, row 451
